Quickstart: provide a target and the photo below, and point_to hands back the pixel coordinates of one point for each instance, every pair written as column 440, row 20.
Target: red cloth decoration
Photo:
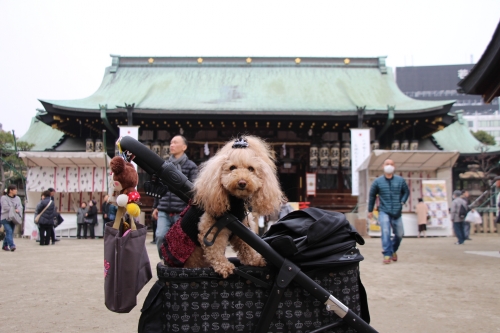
column 180, row 246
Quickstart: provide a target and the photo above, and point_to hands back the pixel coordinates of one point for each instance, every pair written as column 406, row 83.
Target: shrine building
column 304, row 107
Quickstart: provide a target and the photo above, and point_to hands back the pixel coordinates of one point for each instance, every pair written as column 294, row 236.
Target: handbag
column 88, row 220
column 2, row 232
column 473, row 217
column 14, row 216
column 37, row 218
column 126, row 263
column 59, row 219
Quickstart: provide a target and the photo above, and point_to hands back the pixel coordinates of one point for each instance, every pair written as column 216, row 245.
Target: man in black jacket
column 167, row 209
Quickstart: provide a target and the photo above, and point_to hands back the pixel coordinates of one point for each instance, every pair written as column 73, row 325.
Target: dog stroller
column 295, row 293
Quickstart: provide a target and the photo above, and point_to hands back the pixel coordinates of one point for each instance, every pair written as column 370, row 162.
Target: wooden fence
column 488, row 226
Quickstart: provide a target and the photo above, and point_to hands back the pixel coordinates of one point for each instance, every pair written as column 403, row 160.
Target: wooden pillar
column 491, row 226
column 485, row 222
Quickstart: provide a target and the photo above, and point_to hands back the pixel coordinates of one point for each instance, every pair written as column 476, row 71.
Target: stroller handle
column 154, row 164
column 182, row 187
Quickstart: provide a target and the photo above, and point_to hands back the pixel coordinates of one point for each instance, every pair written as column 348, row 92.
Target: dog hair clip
column 240, row 143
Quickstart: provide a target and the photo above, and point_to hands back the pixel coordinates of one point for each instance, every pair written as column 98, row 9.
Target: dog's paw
column 255, row 260
column 261, row 262
column 258, row 261
column 224, row 269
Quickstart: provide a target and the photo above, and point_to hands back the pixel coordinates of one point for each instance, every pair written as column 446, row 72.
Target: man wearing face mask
column 392, row 192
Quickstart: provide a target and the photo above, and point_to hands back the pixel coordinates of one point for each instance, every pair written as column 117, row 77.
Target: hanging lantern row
column 162, row 150
column 404, row 145
column 91, row 146
column 330, row 155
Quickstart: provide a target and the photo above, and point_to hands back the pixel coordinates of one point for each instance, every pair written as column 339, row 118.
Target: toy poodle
column 240, row 176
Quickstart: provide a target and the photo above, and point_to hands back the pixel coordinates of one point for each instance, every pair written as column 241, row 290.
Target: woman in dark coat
column 91, row 219
column 46, row 221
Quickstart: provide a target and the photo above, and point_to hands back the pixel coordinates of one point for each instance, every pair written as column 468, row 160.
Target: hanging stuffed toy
column 125, row 179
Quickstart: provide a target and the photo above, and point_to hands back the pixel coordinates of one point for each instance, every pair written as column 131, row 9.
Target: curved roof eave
column 50, row 106
column 457, row 136
column 290, row 89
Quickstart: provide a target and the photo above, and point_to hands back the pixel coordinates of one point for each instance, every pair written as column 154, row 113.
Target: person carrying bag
column 37, row 218
column 126, row 262
column 14, row 216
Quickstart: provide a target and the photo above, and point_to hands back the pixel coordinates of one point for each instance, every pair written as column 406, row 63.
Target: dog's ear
column 268, row 198
column 209, row 193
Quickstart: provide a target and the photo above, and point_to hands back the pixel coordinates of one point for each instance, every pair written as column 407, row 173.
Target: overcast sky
column 59, row 49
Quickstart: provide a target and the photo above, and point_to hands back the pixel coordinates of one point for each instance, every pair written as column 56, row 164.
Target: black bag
column 462, row 213
column 58, row 220
column 126, row 263
column 314, row 237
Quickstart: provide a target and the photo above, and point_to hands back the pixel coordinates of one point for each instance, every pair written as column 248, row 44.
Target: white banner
column 132, row 131
column 360, row 150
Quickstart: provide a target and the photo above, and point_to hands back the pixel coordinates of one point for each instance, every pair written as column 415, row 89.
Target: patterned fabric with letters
column 198, row 300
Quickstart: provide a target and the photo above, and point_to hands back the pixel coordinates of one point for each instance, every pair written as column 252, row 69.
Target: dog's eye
column 251, row 169
column 232, row 167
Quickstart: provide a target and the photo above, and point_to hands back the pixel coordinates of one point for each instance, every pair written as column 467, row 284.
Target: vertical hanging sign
column 311, row 184
column 132, row 131
column 360, row 150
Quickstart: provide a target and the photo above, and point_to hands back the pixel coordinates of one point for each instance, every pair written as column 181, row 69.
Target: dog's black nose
column 242, row 184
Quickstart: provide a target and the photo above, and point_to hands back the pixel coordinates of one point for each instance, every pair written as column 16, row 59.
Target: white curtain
column 67, row 179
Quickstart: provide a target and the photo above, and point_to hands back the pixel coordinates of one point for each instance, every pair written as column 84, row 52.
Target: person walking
column 90, row 219
column 467, row 225
column 46, row 221
column 422, row 216
column 166, row 210
column 392, row 192
column 7, row 201
column 80, row 216
column 457, row 218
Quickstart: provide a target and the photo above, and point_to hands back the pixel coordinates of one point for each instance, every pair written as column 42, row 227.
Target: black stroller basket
column 288, row 271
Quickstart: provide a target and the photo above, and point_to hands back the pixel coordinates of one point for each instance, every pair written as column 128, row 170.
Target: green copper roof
column 457, row 136
column 42, row 136
column 317, row 86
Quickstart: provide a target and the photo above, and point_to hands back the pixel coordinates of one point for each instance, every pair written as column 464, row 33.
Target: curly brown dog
column 244, row 169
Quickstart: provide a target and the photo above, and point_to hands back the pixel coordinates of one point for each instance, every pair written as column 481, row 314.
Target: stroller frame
column 182, row 187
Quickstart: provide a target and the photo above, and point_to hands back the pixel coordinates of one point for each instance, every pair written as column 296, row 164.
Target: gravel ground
column 434, row 287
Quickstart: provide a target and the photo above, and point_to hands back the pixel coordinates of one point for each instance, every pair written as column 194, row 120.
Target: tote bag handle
column 118, row 219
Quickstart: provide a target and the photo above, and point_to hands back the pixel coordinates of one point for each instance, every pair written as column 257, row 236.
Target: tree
column 12, row 168
column 484, row 138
